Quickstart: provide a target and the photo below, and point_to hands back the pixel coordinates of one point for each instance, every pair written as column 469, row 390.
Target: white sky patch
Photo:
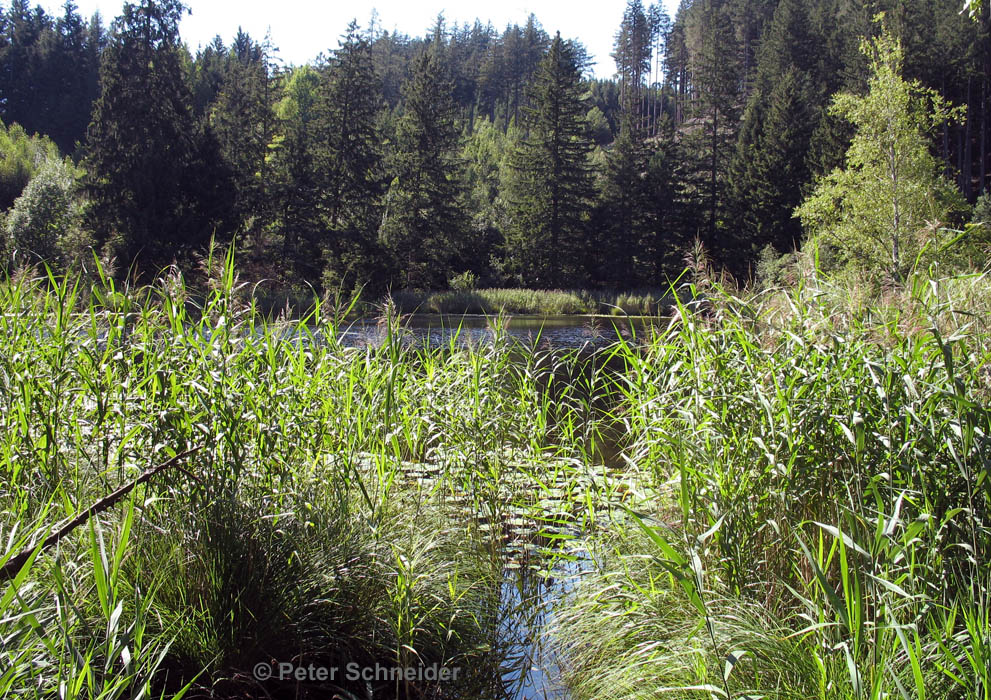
column 301, row 29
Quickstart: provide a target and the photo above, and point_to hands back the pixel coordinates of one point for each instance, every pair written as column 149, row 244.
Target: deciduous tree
column 884, row 209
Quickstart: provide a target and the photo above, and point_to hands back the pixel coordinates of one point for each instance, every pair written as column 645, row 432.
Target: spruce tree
column 351, row 161
column 770, row 166
column 243, row 118
column 550, row 189
column 425, row 219
column 296, row 185
column 715, row 79
column 626, row 215
column 146, row 194
column 625, row 218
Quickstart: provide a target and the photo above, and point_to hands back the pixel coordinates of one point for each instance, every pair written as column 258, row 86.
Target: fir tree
column 243, row 118
column 625, row 221
column 550, row 189
column 425, row 218
column 296, row 183
column 770, row 165
column 715, row 80
column 146, row 194
column 351, row 161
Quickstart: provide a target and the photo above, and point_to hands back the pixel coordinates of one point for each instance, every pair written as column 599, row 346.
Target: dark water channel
column 529, row 593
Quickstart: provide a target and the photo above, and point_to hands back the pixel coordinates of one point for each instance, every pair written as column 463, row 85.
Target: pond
column 532, row 331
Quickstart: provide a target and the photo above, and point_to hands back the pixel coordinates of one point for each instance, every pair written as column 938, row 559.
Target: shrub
column 21, row 157
column 465, row 282
column 44, row 222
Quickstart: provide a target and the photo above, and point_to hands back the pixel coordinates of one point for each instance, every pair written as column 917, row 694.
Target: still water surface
column 531, row 331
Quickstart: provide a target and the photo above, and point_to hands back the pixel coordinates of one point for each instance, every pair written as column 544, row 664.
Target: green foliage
column 598, row 127
column 152, row 177
column 49, row 65
column 425, row 222
column 243, row 119
column 770, row 166
column 550, row 186
column 316, row 523
column 776, row 269
column 717, row 76
column 44, row 224
column 820, row 521
column 629, row 213
column 885, row 210
column 465, row 282
column 973, row 8
column 21, row 157
column 296, row 184
column 537, row 302
column 350, row 157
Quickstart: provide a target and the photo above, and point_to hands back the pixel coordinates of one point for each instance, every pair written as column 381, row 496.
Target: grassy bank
column 797, row 503
column 536, row 302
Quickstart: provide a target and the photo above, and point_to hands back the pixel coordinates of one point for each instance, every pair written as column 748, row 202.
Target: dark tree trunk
column 967, row 172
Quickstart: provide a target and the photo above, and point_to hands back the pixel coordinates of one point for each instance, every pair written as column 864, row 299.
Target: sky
column 301, row 29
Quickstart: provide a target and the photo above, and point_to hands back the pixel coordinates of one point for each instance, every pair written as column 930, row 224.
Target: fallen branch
column 13, row 565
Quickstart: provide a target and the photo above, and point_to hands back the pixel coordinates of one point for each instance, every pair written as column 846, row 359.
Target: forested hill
column 472, row 153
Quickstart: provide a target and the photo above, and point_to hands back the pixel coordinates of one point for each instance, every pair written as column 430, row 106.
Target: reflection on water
column 531, row 670
column 531, row 331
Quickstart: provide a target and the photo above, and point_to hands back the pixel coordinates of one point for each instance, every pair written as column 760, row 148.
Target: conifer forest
column 445, row 366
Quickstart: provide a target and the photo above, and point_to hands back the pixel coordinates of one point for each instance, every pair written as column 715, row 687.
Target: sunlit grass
column 783, row 494
column 826, row 532
column 537, row 302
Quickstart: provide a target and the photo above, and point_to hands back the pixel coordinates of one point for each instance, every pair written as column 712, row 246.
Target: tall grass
column 347, row 505
column 827, row 466
column 785, row 496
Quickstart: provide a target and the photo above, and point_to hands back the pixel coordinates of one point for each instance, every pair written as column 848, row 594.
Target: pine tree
column 632, row 53
column 425, row 218
column 146, row 194
column 550, row 190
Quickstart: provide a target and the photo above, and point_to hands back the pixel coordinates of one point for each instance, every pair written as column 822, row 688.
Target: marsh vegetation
column 784, row 496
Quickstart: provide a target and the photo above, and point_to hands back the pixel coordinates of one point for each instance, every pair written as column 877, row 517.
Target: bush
column 21, row 157
column 44, row 222
column 465, row 282
column 775, row 269
column 978, row 244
